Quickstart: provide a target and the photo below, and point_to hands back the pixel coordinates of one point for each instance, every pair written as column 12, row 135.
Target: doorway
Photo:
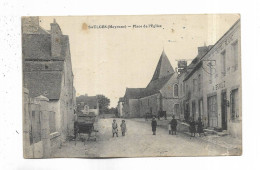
column 224, row 110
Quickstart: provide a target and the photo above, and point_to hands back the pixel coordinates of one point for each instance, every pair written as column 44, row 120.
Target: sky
column 107, row 61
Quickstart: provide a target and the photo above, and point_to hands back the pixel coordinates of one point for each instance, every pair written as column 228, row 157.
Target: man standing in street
column 173, row 125
column 154, row 124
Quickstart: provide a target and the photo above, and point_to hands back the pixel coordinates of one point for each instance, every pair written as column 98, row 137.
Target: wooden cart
column 85, row 128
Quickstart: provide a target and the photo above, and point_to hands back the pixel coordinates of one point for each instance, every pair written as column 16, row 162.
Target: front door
column 224, row 110
column 212, row 111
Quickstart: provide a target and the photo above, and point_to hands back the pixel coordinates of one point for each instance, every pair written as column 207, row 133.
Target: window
column 148, row 102
column 176, row 91
column 235, row 54
column 199, row 82
column 52, row 122
column 234, row 104
column 223, row 63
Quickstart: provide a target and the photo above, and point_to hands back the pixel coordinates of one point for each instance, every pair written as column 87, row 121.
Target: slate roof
column 46, row 83
column 155, row 86
column 133, row 93
column 163, row 68
column 38, row 46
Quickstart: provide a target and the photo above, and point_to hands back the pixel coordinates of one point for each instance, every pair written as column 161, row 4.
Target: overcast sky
column 106, row 61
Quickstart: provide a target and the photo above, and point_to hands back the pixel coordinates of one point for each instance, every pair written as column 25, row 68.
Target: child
column 123, row 127
column 114, row 128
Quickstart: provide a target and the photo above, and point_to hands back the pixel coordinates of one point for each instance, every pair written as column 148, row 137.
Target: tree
column 104, row 103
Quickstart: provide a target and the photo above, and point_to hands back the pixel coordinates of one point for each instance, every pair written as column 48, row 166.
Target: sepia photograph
column 120, row 86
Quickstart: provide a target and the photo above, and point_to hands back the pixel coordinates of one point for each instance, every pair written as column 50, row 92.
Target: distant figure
column 114, row 128
column 173, row 125
column 192, row 127
column 123, row 127
column 200, row 127
column 154, row 124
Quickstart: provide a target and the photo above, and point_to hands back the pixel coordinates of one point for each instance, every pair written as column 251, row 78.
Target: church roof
column 162, row 75
column 133, row 93
column 155, row 86
column 163, row 68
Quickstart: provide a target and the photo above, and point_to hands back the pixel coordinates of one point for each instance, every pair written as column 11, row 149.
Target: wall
column 148, row 104
column 35, row 147
column 134, row 108
column 169, row 99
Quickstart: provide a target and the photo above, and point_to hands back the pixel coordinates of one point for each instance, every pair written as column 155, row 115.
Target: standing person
column 114, row 128
column 173, row 125
column 200, row 127
column 154, row 124
column 123, row 127
column 192, row 127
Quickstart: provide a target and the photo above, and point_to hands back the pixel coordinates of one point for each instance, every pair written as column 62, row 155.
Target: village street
column 139, row 142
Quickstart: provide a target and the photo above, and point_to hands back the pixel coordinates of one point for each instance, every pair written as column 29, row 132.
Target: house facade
column 211, row 85
column 47, row 71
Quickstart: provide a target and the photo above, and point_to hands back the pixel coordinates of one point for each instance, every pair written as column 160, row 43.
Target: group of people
column 172, row 126
column 199, row 129
column 115, row 128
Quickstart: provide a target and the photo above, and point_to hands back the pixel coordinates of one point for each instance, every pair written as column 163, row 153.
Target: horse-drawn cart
column 85, row 126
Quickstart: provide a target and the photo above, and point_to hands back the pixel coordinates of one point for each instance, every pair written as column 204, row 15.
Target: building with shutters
column 211, row 85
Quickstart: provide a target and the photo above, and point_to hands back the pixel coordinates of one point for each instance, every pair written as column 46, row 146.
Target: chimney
column 55, row 39
column 203, row 50
column 30, row 25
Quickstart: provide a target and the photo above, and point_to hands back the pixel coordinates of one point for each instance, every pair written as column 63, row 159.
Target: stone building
column 191, row 91
column 47, row 71
column 88, row 105
column 161, row 94
column 212, row 84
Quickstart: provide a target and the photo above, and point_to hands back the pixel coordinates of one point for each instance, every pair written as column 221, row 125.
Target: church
column 160, row 95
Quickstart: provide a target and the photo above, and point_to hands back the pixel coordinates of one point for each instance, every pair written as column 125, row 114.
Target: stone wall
column 38, row 142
